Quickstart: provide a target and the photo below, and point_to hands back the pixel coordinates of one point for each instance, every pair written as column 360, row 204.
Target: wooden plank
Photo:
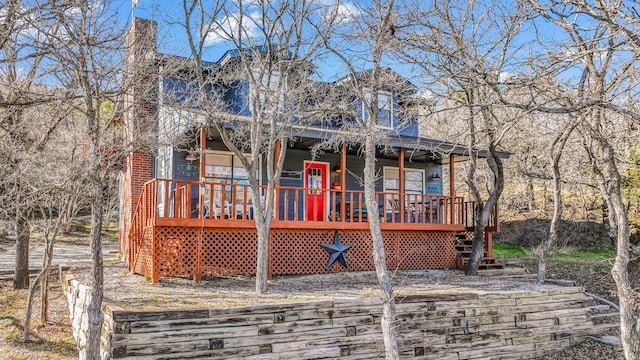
column 295, row 326
column 285, row 337
column 328, row 352
column 465, row 304
column 159, row 315
column 339, row 303
column 552, row 298
column 183, row 335
column 219, row 353
column 413, row 298
column 552, row 314
column 356, row 311
column 270, row 308
column 167, row 348
column 296, row 315
column 220, row 321
column 567, row 290
column 353, row 321
column 327, row 342
column 495, row 352
column 513, row 294
column 548, row 306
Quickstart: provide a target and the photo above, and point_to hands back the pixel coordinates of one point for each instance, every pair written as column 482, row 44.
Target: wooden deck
column 191, row 229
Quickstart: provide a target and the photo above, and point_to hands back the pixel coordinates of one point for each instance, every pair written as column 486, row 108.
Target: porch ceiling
column 417, row 149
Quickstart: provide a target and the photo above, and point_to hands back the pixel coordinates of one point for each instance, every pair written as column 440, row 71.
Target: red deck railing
column 177, row 199
column 187, row 228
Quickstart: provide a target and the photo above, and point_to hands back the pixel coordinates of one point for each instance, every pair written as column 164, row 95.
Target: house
column 189, row 212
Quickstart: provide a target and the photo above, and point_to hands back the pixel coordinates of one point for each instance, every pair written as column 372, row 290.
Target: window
column 226, row 168
column 270, row 92
column 413, row 180
column 384, row 118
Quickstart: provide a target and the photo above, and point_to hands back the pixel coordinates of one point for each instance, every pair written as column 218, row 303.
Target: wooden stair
column 463, row 245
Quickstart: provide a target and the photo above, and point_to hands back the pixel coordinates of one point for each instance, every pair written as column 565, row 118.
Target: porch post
column 276, row 190
column 203, row 145
column 343, row 182
column 401, row 185
column 452, row 191
column 203, row 148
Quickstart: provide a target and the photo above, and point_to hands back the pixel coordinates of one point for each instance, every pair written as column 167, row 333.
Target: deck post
column 343, row 182
column 276, row 191
column 401, row 185
column 155, row 271
column 452, row 191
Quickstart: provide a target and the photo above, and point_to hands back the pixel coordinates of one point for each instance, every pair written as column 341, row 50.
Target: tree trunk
column 21, row 279
column 94, row 310
column 262, row 268
column 629, row 322
column 553, row 227
column 477, row 246
column 379, row 259
column 557, row 149
column 531, row 201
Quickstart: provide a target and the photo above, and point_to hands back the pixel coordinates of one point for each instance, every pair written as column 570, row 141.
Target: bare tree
column 467, row 53
column 361, row 38
column 89, row 53
column 24, row 133
column 600, row 49
column 274, row 106
column 556, row 154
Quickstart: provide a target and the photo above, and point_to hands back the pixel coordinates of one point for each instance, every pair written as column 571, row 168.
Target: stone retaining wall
column 508, row 325
column 78, row 297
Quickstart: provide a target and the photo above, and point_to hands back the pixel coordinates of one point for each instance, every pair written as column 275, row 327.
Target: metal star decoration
column 337, row 250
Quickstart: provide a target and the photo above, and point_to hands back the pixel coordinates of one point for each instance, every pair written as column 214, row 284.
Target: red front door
column 315, row 179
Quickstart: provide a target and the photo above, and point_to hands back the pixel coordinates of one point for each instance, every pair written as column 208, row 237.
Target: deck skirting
column 197, row 252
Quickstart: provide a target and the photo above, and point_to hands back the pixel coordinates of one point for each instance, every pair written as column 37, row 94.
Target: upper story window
column 384, row 118
column 269, row 91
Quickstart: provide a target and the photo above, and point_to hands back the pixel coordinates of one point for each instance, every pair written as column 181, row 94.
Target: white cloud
column 229, row 27
column 338, row 12
column 505, row 76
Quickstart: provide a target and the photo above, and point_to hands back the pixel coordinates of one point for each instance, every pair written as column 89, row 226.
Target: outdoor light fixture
column 435, row 175
column 337, row 168
column 191, row 156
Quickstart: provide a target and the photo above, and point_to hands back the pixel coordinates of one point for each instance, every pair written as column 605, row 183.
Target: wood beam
column 401, row 180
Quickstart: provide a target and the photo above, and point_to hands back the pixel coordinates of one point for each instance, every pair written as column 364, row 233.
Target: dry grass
column 50, row 341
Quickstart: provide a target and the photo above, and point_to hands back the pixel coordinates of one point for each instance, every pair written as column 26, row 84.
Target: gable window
column 384, row 117
column 269, row 92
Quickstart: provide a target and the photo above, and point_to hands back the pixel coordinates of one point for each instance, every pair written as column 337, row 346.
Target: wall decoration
column 291, row 174
column 188, row 169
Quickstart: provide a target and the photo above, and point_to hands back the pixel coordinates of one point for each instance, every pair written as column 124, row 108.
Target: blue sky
column 168, row 14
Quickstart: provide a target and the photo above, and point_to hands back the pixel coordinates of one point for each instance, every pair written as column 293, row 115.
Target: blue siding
column 237, row 98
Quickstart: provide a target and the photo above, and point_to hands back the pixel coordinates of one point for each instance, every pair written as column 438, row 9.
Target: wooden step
column 599, row 308
column 598, row 328
column 485, row 263
column 605, row 315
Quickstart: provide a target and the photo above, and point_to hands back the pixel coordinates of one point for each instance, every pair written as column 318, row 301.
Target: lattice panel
column 229, row 251
column 426, row 250
column 299, row 251
column 390, row 239
column 176, row 250
column 293, row 251
column 143, row 261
